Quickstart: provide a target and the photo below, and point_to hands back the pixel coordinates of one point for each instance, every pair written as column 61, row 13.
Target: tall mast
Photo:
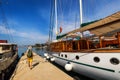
column 56, row 16
column 80, row 1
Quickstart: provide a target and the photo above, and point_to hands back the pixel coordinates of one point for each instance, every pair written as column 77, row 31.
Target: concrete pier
column 42, row 70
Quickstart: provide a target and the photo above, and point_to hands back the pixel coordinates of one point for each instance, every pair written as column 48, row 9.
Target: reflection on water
column 21, row 50
column 39, row 51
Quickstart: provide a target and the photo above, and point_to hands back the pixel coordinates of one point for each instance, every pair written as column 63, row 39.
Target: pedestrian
column 30, row 57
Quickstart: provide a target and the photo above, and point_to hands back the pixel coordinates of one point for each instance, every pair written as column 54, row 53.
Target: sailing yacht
column 97, row 57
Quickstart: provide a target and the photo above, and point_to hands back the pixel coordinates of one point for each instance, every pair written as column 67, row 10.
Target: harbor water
column 37, row 50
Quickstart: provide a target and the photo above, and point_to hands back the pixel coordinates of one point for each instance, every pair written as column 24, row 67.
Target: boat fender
column 45, row 54
column 52, row 59
column 68, row 66
column 47, row 57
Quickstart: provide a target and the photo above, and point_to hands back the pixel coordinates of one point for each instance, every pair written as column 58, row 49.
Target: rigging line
column 70, row 7
column 61, row 9
column 4, row 20
column 49, row 39
column 6, row 23
column 65, row 4
column 75, row 21
column 95, row 1
column 76, row 16
column 11, row 17
column 14, row 41
column 52, row 20
column 85, row 11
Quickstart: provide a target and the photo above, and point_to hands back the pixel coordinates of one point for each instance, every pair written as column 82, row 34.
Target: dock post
column 100, row 41
column 88, row 45
column 118, row 35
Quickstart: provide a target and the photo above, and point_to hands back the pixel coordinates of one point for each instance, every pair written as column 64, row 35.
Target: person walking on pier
column 30, row 56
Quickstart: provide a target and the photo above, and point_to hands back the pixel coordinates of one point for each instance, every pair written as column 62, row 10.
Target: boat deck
column 42, row 70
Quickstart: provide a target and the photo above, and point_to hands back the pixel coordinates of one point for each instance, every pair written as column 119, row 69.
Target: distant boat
column 95, row 57
column 8, row 58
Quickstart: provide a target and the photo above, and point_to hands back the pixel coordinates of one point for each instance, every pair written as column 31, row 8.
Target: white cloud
column 104, row 11
column 4, row 30
column 28, row 37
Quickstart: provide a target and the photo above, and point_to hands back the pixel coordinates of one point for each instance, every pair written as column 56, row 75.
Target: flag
column 60, row 29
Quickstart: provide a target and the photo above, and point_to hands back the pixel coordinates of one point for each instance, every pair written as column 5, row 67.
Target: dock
column 42, row 70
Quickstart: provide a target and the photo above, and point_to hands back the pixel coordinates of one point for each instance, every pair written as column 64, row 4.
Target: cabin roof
column 110, row 24
column 8, row 44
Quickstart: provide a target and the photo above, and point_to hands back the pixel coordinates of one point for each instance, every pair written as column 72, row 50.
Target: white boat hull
column 85, row 65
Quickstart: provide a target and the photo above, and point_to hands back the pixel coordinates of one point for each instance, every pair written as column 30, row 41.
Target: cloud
column 4, row 30
column 26, row 37
column 103, row 10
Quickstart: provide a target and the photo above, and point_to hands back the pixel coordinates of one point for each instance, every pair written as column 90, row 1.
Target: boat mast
column 80, row 1
column 56, row 16
column 80, row 4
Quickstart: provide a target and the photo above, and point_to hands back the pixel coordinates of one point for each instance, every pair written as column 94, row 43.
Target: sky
column 28, row 21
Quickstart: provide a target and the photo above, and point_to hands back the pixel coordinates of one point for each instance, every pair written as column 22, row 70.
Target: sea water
column 22, row 50
column 39, row 51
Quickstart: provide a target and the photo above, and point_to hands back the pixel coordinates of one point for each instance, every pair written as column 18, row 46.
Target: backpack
column 30, row 54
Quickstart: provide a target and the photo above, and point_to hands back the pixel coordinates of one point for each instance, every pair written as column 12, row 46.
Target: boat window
column 65, row 56
column 14, row 47
column 97, row 59
column 77, row 57
column 5, row 47
column 114, row 61
column 13, row 50
column 0, row 56
column 75, row 45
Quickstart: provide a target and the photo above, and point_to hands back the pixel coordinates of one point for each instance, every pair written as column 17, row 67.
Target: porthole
column 61, row 55
column 114, row 61
column 97, row 59
column 65, row 56
column 77, row 57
